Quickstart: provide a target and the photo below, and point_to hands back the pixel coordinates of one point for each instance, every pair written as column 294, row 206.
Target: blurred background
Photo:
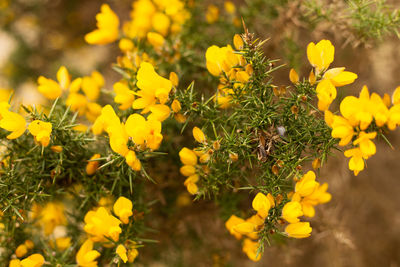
column 359, row 227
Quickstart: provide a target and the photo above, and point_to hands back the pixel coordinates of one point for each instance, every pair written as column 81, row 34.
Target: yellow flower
column 14, row 263
column 191, row 185
column 212, row 14
column 144, row 131
column 124, row 96
column 34, row 260
column 298, row 230
column 187, row 170
column 108, row 27
column 63, row 77
column 230, row 7
column 338, row 77
column 293, row 76
column 51, row 216
column 155, row 39
column 12, row 122
column 77, row 102
column 356, row 162
column 220, row 59
column 198, row 135
column 251, row 249
column 63, row 243
column 176, row 106
column 41, row 131
column 319, row 196
column 21, row 250
column 132, row 254
column 173, row 77
column 261, row 203
column 326, row 93
column 133, row 161
column 86, row 256
column 49, row 88
column 320, row 55
column 231, row 223
column 367, row 147
column 121, row 251
column 306, row 185
column 188, row 157
column 126, row 45
column 291, row 211
column 152, row 88
column 100, row 224
column 238, row 42
column 92, row 165
column 123, row 209
column 341, row 128
column 396, row 96
column 245, row 228
column 393, row 120
column 106, row 119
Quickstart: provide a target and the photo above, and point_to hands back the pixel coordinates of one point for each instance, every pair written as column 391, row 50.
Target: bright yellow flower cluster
column 358, row 121
column 100, row 224
column 232, row 69
column 145, row 134
column 82, row 91
column 49, row 216
column 213, row 13
column 162, row 17
column 320, row 56
column 194, row 161
column 251, row 226
column 308, row 193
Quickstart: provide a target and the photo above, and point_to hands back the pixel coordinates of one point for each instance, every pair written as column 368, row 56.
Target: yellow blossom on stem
column 123, row 95
column 52, row 215
column 191, row 185
column 188, row 157
column 107, row 27
column 198, row 135
column 293, row 76
column 49, row 88
column 341, row 128
column 21, row 250
column 121, row 251
column 367, row 147
column 123, row 209
column 261, row 203
column 100, row 224
column 298, row 230
column 356, row 163
column 92, row 165
column 251, row 249
column 326, row 93
column 86, row 256
column 320, row 55
column 306, row 185
column 291, row 211
column 339, row 77
column 231, row 223
column 41, row 131
column 155, row 39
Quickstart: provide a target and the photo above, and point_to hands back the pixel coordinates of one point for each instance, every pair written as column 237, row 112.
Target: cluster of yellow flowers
column 232, row 69
column 320, row 56
column 307, row 194
column 153, row 20
column 100, row 225
column 82, row 91
column 190, row 159
column 213, row 13
column 360, row 118
column 16, row 124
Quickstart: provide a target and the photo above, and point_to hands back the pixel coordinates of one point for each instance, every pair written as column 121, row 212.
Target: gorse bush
column 79, row 174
